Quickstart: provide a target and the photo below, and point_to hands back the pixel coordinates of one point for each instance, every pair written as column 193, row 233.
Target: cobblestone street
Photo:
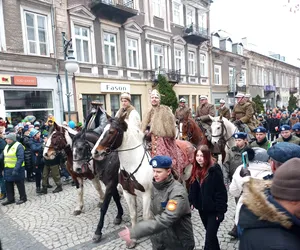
column 47, row 222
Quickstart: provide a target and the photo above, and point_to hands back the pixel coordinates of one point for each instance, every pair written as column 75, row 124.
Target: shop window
column 136, row 102
column 194, row 104
column 114, row 104
column 19, row 104
column 86, row 103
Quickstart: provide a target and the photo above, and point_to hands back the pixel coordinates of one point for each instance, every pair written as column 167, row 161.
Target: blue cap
column 296, row 127
column 37, row 123
column 161, row 161
column 284, row 151
column 284, row 128
column 72, row 124
column 33, row 132
column 260, row 129
column 240, row 135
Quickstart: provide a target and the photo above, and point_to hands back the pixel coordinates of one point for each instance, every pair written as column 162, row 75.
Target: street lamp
column 71, row 65
column 240, row 83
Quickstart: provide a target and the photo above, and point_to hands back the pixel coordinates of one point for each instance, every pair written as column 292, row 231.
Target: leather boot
column 57, row 189
column 44, row 190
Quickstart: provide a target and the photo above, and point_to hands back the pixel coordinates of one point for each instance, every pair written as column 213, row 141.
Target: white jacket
column 134, row 118
column 258, row 170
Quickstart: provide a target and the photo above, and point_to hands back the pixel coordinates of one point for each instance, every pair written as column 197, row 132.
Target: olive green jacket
column 294, row 139
column 169, row 229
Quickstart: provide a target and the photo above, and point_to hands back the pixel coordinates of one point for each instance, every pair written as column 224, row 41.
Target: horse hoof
column 77, row 212
column 99, row 205
column 131, row 245
column 117, row 221
column 97, row 238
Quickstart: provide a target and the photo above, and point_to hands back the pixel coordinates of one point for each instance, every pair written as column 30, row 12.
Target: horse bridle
column 221, row 135
column 189, row 133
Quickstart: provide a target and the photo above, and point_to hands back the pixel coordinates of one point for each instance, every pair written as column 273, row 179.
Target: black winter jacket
column 272, row 124
column 27, row 152
column 211, row 196
column 264, row 223
column 2, row 146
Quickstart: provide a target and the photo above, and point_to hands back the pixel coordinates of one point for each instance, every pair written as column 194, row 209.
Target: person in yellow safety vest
column 14, row 171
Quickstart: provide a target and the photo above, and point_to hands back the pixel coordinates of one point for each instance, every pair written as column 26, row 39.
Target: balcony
column 293, row 90
column 269, row 89
column 114, row 10
column 195, row 34
column 173, row 76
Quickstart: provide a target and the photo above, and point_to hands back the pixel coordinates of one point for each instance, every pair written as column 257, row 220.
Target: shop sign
column 5, row 79
column 25, row 80
column 115, row 87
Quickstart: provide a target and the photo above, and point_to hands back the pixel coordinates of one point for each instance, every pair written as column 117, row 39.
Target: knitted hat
column 286, row 184
column 11, row 136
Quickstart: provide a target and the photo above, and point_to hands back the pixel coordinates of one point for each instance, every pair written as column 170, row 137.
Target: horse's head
column 82, row 156
column 218, row 129
column 111, row 138
column 57, row 141
column 185, row 129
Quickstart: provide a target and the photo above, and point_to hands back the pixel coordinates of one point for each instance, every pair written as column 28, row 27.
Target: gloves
column 237, row 123
column 220, row 217
column 245, row 172
column 14, row 173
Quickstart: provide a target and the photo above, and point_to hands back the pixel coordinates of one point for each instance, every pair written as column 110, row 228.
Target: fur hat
column 155, row 93
column 286, row 184
column 126, row 96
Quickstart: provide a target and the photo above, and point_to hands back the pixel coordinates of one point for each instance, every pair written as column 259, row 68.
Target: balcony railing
column 195, row 34
column 293, row 90
column 173, row 76
column 114, row 10
column 270, row 88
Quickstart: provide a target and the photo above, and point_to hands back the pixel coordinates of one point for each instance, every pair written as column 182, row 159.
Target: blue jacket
column 36, row 148
column 18, row 172
column 2, row 146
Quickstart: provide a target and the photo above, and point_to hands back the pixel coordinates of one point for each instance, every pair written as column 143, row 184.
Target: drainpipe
column 58, row 80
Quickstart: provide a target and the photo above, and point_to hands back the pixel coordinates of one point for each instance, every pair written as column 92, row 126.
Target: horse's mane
column 231, row 128
column 90, row 131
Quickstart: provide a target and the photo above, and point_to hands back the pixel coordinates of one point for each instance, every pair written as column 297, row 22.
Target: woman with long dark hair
column 208, row 194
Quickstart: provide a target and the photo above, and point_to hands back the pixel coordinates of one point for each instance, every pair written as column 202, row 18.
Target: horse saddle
column 129, row 183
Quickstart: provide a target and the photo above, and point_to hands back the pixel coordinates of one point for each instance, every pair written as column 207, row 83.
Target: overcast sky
column 269, row 24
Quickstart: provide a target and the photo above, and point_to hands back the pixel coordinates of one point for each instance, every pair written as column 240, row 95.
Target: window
column 244, row 76
column 254, row 77
column 36, row 34
column 158, row 56
column 203, row 23
column 86, row 101
column 240, row 49
column 277, row 80
column 19, row 104
column 178, row 59
column 229, row 45
column 194, row 104
column 270, row 78
column 216, row 41
column 177, row 12
column 282, row 80
column 260, row 76
column 202, row 65
column 192, row 67
column 82, row 41
column 114, row 104
column 265, row 78
column 190, row 16
column 110, row 49
column 217, row 75
column 232, row 83
column 136, row 102
column 132, row 53
column 157, row 6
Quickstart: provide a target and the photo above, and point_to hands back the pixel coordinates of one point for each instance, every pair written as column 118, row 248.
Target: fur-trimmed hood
column 262, row 210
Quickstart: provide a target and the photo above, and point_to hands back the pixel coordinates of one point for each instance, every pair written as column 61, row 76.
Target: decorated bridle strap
column 128, row 149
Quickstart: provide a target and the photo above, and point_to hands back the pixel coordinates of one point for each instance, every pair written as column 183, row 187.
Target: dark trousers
column 10, row 191
column 211, row 226
column 38, row 176
column 274, row 135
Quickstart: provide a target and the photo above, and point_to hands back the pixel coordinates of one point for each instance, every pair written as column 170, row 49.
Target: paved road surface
column 47, row 222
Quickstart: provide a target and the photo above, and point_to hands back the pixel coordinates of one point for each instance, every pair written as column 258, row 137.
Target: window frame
column 155, row 54
column 193, row 17
column 2, row 29
column 204, row 63
column 179, row 20
column 181, row 58
column 219, row 67
column 192, row 62
column 157, row 8
column 110, row 44
column 131, row 48
column 88, row 39
column 48, row 28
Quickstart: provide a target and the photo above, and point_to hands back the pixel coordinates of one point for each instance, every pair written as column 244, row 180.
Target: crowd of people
column 266, row 190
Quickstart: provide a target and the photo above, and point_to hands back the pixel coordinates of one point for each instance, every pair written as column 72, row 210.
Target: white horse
column 127, row 139
column 61, row 139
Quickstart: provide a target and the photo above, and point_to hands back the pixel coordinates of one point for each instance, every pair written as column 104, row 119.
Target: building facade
column 229, row 69
column 273, row 80
column 124, row 45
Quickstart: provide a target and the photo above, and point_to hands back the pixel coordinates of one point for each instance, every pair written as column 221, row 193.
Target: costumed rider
column 223, row 110
column 129, row 110
column 182, row 112
column 204, row 110
column 242, row 114
column 97, row 119
column 171, row 225
column 159, row 128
